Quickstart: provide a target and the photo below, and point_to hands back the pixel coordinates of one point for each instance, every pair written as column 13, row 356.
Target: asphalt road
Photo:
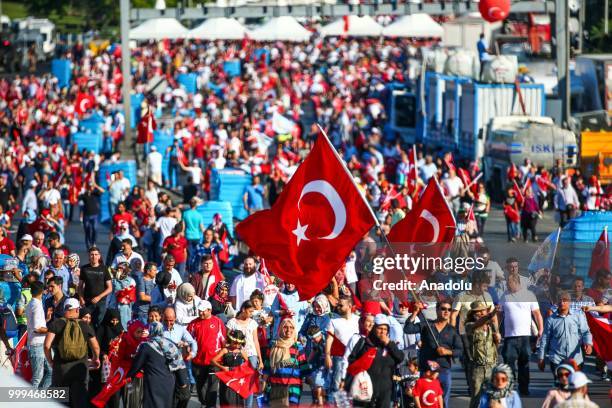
column 495, row 238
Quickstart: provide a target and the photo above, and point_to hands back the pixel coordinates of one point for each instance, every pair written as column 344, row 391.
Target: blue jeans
column 192, row 267
column 336, row 375
column 173, row 174
column 41, row 369
column 516, row 352
column 445, row 379
column 180, row 268
column 89, row 224
column 512, row 229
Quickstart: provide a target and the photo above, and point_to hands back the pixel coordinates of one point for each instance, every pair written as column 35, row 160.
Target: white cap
column 33, row 183
column 27, row 237
column 381, row 319
column 204, row 305
column 153, row 148
column 578, row 380
column 71, row 304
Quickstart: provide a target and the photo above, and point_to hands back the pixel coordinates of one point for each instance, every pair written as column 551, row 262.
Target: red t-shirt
column 6, row 246
column 428, row 392
column 117, row 218
column 177, row 246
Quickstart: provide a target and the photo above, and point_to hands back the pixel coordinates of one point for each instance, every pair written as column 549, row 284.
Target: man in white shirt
column 516, row 304
column 339, row 332
column 118, row 190
column 166, row 224
column 154, row 165
column 134, row 259
column 566, row 201
column 175, row 279
column 246, row 283
column 30, row 201
column 195, row 171
column 37, row 331
column 453, row 188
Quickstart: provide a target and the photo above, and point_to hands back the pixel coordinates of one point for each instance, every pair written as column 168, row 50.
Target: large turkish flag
column 600, row 258
column 312, row 227
column 430, row 221
column 83, row 103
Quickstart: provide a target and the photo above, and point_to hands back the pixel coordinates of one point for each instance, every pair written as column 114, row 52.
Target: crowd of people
column 155, row 302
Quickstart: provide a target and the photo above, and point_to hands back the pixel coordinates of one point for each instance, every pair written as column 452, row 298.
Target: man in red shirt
column 7, row 246
column 176, row 245
column 122, row 216
column 209, row 333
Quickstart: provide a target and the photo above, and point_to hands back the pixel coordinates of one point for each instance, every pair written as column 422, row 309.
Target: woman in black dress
column 160, row 360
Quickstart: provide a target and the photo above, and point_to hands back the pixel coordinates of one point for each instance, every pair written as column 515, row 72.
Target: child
column 315, row 355
column 427, row 391
column 231, row 356
column 408, row 381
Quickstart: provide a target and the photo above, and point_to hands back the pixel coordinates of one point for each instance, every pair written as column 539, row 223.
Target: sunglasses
column 444, row 309
column 563, row 374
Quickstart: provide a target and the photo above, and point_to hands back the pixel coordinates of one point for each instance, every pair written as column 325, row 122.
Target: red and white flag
column 146, row 126
column 243, row 379
column 518, row 193
column 600, row 258
column 216, row 275
column 84, row 102
column 315, row 223
column 601, row 329
column 430, row 221
column 20, row 359
column 413, row 172
column 471, row 220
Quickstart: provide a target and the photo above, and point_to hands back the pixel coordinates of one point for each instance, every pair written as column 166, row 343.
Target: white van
column 46, row 29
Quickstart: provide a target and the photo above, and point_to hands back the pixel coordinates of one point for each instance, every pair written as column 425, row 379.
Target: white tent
column 357, row 27
column 221, row 28
column 159, row 29
column 285, row 28
column 414, row 25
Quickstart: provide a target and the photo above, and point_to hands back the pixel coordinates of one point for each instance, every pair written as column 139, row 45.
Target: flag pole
column 382, row 232
column 552, row 261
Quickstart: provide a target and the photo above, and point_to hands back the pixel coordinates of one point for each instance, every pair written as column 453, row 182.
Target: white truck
column 43, row 26
column 511, row 139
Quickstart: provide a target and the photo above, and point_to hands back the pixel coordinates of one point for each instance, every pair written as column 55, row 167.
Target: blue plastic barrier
column 89, row 141
column 229, row 185
column 93, row 124
column 189, row 82
column 210, row 208
column 257, row 55
column 578, row 239
column 60, row 68
column 136, row 111
column 232, row 68
column 106, row 169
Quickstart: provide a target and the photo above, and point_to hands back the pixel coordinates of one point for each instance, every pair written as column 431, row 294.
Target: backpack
column 72, row 345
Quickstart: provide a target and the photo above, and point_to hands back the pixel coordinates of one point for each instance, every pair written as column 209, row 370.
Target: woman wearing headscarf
column 286, row 365
column 499, row 392
column 220, row 299
column 319, row 315
column 124, row 292
column 186, row 305
column 72, row 263
column 219, row 227
column 561, row 392
column 109, row 330
column 162, row 365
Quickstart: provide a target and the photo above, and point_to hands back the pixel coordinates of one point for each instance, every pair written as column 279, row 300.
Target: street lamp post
column 125, row 65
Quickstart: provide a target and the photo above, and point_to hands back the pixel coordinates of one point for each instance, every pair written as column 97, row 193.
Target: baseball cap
column 381, row 319
column 71, row 304
column 33, row 183
column 27, row 237
column 204, row 305
column 578, row 380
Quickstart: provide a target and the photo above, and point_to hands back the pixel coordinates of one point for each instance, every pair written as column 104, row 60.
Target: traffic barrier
column 229, row 185
column 210, row 208
column 60, row 68
column 104, row 178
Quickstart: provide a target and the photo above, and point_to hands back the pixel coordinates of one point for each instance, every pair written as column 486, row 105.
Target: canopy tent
column 221, row 28
column 414, row 25
column 285, row 28
column 357, row 27
column 159, row 29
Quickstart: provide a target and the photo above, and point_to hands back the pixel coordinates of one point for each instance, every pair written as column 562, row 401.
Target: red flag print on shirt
column 315, row 223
